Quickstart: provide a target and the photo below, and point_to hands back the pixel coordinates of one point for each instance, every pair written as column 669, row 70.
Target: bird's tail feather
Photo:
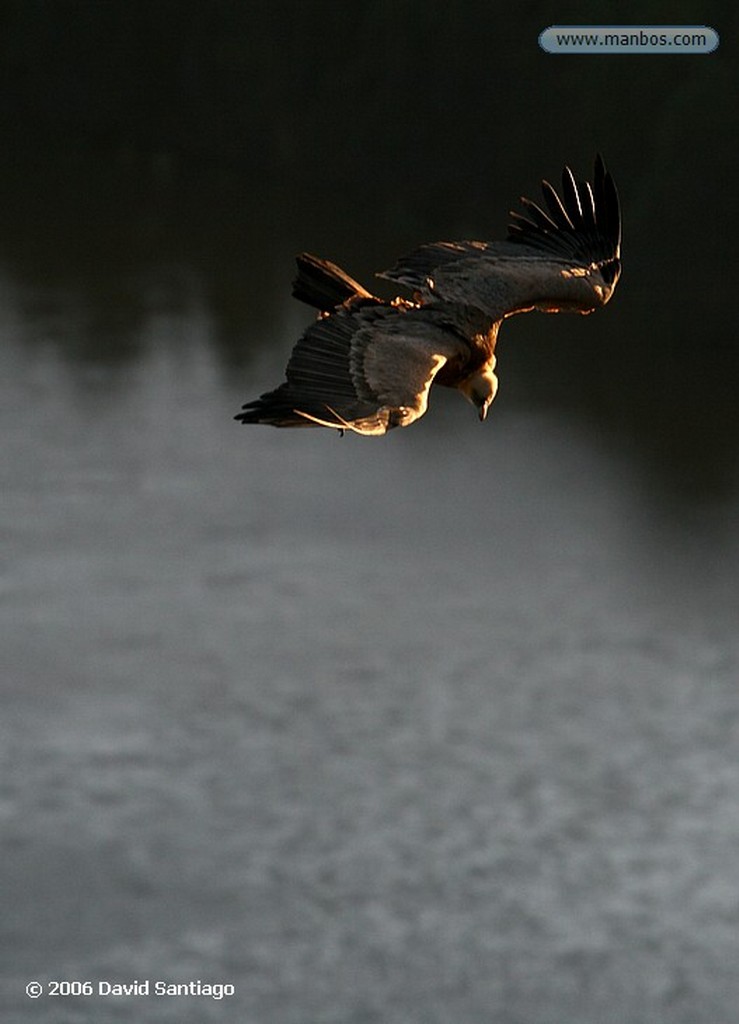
column 323, row 285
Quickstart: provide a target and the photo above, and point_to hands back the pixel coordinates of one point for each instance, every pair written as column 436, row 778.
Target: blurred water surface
column 436, row 727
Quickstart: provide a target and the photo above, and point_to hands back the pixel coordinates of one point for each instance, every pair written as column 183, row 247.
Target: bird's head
column 480, row 388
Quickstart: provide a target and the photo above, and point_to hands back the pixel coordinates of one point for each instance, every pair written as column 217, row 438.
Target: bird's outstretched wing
column 366, row 368
column 544, row 263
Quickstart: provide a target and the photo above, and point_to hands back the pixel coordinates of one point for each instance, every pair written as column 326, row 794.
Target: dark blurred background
column 179, row 142
column 440, row 727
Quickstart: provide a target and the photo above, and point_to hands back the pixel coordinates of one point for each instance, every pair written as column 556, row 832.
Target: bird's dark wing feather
column 366, row 368
column 583, row 225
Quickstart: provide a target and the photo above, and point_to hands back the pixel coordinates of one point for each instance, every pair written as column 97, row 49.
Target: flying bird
column 367, row 364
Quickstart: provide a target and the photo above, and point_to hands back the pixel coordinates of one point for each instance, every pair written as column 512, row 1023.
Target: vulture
column 367, row 364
